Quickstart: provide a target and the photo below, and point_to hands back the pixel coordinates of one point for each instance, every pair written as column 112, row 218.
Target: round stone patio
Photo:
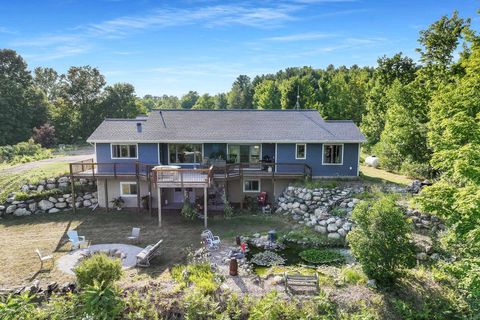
column 68, row 262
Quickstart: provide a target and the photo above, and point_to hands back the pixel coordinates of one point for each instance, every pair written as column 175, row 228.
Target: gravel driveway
column 76, row 155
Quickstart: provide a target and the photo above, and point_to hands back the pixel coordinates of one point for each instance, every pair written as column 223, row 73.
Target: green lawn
column 12, row 182
column 379, row 175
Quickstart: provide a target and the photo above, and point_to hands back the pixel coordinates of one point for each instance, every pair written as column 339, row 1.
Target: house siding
column 147, row 154
column 286, row 154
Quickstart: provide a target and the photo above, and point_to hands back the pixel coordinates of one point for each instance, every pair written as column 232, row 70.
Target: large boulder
column 63, row 180
column 334, row 235
column 321, row 229
column 332, row 227
column 51, row 186
column 21, row 212
column 10, row 209
column 45, row 205
column 60, row 205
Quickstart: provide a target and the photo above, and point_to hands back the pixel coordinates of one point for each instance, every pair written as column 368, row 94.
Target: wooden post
column 149, row 181
column 138, row 185
column 159, row 196
column 72, row 184
column 274, row 197
column 241, row 192
column 106, row 194
column 205, row 204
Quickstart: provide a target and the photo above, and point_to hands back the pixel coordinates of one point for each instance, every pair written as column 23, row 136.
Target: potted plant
column 118, row 203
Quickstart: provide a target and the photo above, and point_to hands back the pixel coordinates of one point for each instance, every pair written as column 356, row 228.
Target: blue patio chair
column 75, row 239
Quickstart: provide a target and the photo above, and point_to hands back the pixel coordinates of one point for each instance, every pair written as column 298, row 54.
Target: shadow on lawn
column 115, row 226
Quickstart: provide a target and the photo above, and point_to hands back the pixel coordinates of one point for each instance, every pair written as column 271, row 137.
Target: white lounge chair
column 210, row 240
column 135, row 235
column 147, row 254
column 75, row 239
column 43, row 258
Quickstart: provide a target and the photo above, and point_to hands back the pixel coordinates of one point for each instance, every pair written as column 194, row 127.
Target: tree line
column 74, row 103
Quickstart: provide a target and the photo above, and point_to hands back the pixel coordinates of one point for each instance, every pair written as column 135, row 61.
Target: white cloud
column 300, row 37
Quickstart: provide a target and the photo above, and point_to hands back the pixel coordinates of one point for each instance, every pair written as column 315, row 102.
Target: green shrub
column 267, row 259
column 271, row 306
column 98, row 268
column 235, row 308
column 198, row 274
column 198, row 306
column 101, row 301
column 352, row 275
column 23, row 152
column 227, row 207
column 188, row 211
column 416, row 170
column 141, row 306
column 37, row 196
column 16, row 307
column 381, row 239
column 59, row 308
column 321, row 256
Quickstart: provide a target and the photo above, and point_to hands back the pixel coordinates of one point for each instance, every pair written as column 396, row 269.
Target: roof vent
column 139, row 127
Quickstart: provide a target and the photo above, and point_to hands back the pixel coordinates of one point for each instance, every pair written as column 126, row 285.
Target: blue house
column 202, row 154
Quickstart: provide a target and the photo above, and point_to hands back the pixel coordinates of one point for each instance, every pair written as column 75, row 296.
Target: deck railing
column 266, row 169
column 201, row 175
column 165, row 176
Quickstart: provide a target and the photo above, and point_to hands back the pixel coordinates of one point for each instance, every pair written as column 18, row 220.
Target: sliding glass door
column 244, row 153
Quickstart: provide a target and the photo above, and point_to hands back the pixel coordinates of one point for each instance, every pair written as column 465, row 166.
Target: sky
column 171, row 47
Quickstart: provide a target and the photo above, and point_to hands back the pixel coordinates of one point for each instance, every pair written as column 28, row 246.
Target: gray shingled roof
column 228, row 126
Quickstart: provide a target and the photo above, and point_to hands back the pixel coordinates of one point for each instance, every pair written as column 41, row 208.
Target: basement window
column 251, row 186
column 128, row 189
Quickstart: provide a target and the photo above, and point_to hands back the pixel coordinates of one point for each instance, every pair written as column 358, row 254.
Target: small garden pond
column 295, row 255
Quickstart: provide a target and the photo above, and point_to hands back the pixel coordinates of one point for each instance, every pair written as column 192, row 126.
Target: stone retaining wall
column 315, row 208
column 51, row 204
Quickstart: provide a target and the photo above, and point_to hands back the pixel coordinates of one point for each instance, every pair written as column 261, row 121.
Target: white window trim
column 185, row 163
column 323, row 154
column 127, row 195
column 259, row 185
column 296, row 151
column 123, row 144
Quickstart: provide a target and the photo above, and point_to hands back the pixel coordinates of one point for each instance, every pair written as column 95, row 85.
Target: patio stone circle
column 129, row 253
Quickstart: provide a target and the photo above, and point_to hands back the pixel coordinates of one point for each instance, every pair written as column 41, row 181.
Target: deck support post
column 159, row 196
column 205, row 204
column 242, row 193
column 138, row 185
column 106, row 193
column 72, row 184
column 274, row 196
column 149, row 182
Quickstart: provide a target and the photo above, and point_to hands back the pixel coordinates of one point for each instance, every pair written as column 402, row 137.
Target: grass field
column 21, row 236
column 379, row 175
column 12, row 182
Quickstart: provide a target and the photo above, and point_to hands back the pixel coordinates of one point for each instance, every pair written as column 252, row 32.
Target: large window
column 251, row 186
column 333, row 154
column 128, row 151
column 243, row 153
column 185, row 153
column 300, row 151
column 128, row 189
